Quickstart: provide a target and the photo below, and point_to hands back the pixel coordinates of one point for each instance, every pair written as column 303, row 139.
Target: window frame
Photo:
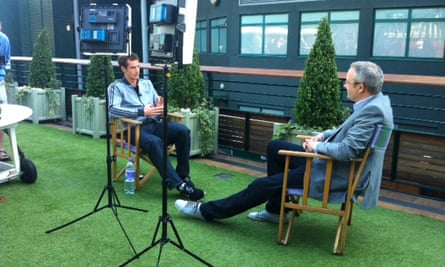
column 334, row 18
column 221, row 38
column 263, row 28
column 408, row 19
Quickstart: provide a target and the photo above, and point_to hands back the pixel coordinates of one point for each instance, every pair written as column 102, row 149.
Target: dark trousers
column 152, row 134
column 266, row 189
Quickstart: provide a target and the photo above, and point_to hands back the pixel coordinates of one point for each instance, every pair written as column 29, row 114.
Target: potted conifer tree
column 187, row 94
column 44, row 95
column 318, row 105
column 89, row 112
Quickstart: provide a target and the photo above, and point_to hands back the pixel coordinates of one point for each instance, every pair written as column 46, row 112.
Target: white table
column 10, row 116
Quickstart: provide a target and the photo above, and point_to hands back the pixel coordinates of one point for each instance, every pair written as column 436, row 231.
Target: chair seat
column 295, row 191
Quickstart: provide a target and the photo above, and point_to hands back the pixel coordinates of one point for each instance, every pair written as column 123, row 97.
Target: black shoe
column 190, row 192
column 188, row 181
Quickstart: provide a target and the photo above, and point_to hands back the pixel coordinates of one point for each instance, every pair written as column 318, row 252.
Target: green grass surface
column 72, row 174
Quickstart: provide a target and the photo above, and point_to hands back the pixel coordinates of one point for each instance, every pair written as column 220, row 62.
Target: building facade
column 403, row 37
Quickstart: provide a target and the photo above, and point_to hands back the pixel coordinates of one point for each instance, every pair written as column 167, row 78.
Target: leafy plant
column 319, row 104
column 53, row 98
column 187, row 84
column 207, row 133
column 187, row 92
column 97, row 82
column 9, row 79
column 41, row 70
column 22, row 92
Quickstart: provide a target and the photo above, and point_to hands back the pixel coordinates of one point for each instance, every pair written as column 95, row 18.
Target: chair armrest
column 176, row 117
column 304, row 137
column 301, row 154
column 131, row 121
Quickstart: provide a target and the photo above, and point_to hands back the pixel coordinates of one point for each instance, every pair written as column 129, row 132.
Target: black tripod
column 113, row 200
column 165, row 218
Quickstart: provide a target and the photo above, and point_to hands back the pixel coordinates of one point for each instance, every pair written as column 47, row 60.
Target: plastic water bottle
column 130, row 176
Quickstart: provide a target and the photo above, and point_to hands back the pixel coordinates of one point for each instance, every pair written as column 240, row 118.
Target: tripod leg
column 181, row 246
column 165, row 219
column 81, row 217
column 152, row 245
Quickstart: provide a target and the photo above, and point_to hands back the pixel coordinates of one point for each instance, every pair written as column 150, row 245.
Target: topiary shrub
column 186, row 85
column 41, row 71
column 318, row 104
column 96, row 82
column 187, row 92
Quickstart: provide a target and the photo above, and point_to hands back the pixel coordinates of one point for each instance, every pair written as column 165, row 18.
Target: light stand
column 113, row 200
column 165, row 218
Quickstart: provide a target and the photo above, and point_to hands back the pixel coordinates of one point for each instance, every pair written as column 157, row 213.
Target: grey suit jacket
column 350, row 140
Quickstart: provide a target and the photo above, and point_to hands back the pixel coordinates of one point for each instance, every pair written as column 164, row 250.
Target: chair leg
column 119, row 174
column 338, row 234
column 290, row 225
column 280, row 229
column 145, row 179
column 350, row 214
column 342, row 229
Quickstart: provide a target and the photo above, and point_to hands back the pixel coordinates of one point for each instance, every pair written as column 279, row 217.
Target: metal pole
column 77, row 42
column 144, row 29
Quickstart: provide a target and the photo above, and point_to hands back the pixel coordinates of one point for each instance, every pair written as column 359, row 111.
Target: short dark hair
column 123, row 60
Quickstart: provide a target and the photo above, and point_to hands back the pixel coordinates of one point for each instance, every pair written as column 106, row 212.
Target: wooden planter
column 89, row 116
column 11, row 91
column 37, row 99
column 191, row 121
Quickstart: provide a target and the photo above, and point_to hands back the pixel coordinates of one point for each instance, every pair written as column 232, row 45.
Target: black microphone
column 137, row 88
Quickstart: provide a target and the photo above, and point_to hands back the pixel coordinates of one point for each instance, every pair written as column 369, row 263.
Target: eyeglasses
column 345, row 83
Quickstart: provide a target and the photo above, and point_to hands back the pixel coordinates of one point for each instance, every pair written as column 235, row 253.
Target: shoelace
column 186, row 188
column 192, row 204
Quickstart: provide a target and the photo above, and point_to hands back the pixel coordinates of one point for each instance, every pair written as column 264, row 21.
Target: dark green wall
column 11, row 24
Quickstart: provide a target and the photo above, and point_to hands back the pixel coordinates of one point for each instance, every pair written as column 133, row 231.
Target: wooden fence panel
column 260, row 134
column 231, row 131
column 421, row 159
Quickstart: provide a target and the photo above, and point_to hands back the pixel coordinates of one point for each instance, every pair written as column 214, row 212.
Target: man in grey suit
column 363, row 85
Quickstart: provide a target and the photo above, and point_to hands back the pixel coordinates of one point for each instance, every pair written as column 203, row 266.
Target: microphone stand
column 165, row 219
column 113, row 200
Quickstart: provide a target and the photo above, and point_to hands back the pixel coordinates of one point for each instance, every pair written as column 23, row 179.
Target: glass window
column 412, row 33
column 201, row 36
column 218, row 35
column 344, row 26
column 389, row 39
column 264, row 34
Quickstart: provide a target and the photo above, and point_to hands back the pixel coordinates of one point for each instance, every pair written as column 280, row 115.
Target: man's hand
column 160, row 102
column 153, row 111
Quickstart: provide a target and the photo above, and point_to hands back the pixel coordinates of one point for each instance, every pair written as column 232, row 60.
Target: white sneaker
column 190, row 208
column 266, row 216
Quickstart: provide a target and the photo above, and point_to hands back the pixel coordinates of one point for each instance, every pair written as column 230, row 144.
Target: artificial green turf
column 72, row 174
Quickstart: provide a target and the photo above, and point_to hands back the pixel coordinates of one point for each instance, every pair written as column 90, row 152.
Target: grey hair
column 370, row 74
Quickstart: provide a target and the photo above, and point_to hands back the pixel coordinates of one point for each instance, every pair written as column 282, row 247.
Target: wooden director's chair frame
column 124, row 147
column 297, row 199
